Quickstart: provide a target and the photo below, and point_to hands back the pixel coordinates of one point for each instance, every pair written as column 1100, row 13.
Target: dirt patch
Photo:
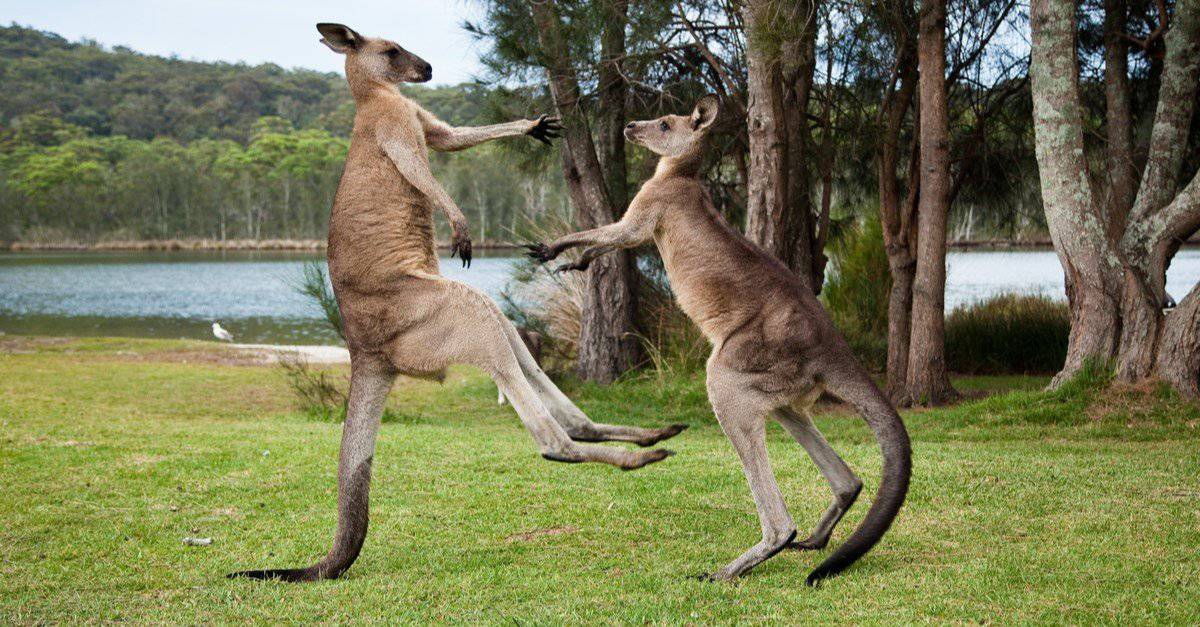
column 237, row 355
column 527, row 536
column 24, row 345
column 1131, row 401
column 217, row 356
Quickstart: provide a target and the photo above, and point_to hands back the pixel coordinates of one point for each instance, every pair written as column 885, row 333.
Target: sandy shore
column 271, row 353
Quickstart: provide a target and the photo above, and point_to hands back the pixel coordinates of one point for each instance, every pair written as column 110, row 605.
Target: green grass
column 1078, row 506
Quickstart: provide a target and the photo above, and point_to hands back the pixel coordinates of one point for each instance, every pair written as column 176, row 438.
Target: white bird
column 221, row 333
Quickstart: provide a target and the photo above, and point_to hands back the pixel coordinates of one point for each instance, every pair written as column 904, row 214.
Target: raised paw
column 539, row 251
column 546, row 127
column 461, row 245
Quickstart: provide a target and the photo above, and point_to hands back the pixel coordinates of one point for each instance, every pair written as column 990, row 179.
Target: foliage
column 856, row 289
column 99, row 144
column 1010, row 333
column 316, row 393
column 313, row 283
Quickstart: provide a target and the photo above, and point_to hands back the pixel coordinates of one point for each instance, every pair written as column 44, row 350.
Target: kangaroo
column 775, row 348
column 400, row 316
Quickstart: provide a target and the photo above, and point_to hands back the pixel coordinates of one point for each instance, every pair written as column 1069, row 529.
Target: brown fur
column 400, row 315
column 774, row 347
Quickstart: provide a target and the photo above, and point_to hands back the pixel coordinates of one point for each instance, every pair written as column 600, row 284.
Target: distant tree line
column 99, row 144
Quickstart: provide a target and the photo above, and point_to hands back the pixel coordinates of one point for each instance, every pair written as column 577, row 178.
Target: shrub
column 316, row 392
column 313, row 283
column 1008, row 334
column 856, row 290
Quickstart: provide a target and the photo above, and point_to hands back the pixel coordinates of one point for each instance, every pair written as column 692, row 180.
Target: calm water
column 178, row 294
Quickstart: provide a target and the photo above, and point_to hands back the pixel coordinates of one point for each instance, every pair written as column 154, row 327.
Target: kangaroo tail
column 858, row 389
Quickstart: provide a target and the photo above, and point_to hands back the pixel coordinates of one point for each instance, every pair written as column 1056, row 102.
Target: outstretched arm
column 635, row 229
column 443, row 137
column 413, row 164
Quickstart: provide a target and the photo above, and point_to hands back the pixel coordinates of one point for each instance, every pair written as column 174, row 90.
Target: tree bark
column 1160, row 218
column 1077, row 225
column 610, row 109
column 1118, row 125
column 896, row 212
column 1178, row 361
column 781, row 40
column 927, row 381
column 607, row 347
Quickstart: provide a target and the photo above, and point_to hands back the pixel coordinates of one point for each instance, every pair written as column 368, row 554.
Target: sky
column 259, row 31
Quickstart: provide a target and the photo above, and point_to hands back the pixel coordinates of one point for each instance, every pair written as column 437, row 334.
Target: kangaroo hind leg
column 576, row 423
column 842, row 480
column 744, row 422
column 552, row 438
column 369, row 385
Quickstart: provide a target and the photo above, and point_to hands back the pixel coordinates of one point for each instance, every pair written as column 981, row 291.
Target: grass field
column 1080, row 506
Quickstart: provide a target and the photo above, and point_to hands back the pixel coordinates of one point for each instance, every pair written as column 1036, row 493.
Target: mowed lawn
column 1082, row 506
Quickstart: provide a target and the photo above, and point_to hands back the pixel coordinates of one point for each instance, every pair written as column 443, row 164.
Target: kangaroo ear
column 340, row 38
column 705, row 112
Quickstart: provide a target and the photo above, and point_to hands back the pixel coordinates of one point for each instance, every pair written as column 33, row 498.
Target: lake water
column 178, row 294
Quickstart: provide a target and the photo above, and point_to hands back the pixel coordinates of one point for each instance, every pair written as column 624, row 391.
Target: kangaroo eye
column 664, row 126
column 393, row 53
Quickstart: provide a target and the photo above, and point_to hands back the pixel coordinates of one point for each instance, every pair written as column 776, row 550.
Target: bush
column 313, row 283
column 1008, row 334
column 856, row 290
column 317, row 394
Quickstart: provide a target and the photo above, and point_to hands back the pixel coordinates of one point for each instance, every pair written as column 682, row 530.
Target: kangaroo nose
column 630, row 125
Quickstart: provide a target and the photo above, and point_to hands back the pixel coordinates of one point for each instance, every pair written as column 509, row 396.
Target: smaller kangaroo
column 775, row 348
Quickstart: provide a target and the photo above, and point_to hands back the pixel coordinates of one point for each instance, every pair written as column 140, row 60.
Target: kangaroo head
column 373, row 59
column 675, row 135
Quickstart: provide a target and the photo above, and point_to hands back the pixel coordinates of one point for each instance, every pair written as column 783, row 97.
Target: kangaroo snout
column 425, row 70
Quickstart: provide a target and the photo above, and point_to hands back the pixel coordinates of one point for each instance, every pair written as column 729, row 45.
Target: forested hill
column 122, row 92
column 111, row 144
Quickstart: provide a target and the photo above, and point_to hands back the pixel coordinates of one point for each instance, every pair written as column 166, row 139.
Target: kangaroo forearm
column 591, row 254
column 451, row 138
column 612, row 236
column 416, row 171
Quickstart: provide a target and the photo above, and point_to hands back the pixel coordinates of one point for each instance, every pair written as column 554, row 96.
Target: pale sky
column 260, row 31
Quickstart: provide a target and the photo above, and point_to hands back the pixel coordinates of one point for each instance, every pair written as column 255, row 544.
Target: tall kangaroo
column 775, row 348
column 400, row 315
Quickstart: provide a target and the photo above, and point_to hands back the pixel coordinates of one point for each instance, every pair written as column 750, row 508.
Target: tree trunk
column 607, row 347
column 610, row 110
column 899, row 325
column 1178, row 361
column 780, row 55
column 927, row 382
column 895, row 212
column 1118, row 125
column 767, row 134
column 1078, row 227
column 1160, row 217
column 799, row 58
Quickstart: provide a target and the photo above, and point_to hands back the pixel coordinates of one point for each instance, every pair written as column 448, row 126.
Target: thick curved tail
column 860, row 391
